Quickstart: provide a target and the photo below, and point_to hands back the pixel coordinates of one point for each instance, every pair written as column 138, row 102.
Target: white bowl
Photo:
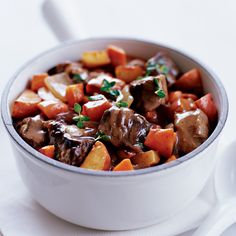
column 113, row 200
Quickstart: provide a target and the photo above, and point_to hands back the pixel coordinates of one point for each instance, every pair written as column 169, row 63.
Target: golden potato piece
column 146, row 159
column 98, row 158
column 95, row 58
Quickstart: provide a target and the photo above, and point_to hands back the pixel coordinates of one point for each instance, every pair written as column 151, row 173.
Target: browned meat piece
column 58, row 68
column 143, row 91
column 161, row 63
column 32, row 131
column 192, row 130
column 66, row 117
column 72, row 144
column 73, row 151
column 126, row 128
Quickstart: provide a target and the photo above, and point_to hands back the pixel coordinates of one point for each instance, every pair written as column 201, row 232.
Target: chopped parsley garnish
column 80, row 118
column 159, row 68
column 106, row 87
column 103, row 137
column 77, row 78
column 164, row 69
column 122, row 104
column 159, row 92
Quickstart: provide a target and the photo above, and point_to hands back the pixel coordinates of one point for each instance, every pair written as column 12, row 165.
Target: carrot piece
column 173, row 96
column 117, row 55
column 181, row 105
column 52, row 108
column 207, row 105
column 25, row 105
column 171, row 158
column 190, row 95
column 48, row 150
column 94, row 85
column 124, row 165
column 128, row 73
column 37, row 81
column 74, row 94
column 95, row 109
column 161, row 140
column 190, row 82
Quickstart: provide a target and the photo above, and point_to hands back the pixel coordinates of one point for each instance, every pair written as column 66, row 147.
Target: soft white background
column 206, row 29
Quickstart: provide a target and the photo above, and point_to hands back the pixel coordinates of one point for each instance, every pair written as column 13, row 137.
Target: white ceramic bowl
column 113, row 200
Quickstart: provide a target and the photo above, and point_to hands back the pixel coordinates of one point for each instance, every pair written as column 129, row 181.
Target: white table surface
column 206, row 29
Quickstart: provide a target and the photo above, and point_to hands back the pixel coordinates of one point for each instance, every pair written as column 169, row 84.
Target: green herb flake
column 160, row 93
column 106, row 87
column 84, row 118
column 77, row 108
column 75, row 118
column 115, row 93
column 103, row 137
column 155, row 81
column 80, row 124
column 122, row 104
column 164, row 69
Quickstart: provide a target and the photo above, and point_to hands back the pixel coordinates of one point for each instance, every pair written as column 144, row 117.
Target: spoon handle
column 219, row 219
column 63, row 19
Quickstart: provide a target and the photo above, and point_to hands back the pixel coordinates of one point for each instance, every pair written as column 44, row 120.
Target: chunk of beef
column 126, row 128
column 192, row 130
column 58, row 68
column 71, row 143
column 31, row 129
column 73, row 151
column 163, row 64
column 143, row 91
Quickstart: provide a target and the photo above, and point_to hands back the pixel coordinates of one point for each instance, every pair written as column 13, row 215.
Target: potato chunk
column 146, row 159
column 98, row 158
column 95, row 58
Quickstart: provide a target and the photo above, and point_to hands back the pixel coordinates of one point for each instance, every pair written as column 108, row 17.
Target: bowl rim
column 160, row 168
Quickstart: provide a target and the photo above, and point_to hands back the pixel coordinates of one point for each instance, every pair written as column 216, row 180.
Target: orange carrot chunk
column 207, row 105
column 37, row 81
column 48, row 150
column 171, row 158
column 161, row 140
column 124, row 165
column 52, row 108
column 190, row 82
column 74, row 94
column 25, row 105
column 95, row 109
column 128, row 73
column 117, row 55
